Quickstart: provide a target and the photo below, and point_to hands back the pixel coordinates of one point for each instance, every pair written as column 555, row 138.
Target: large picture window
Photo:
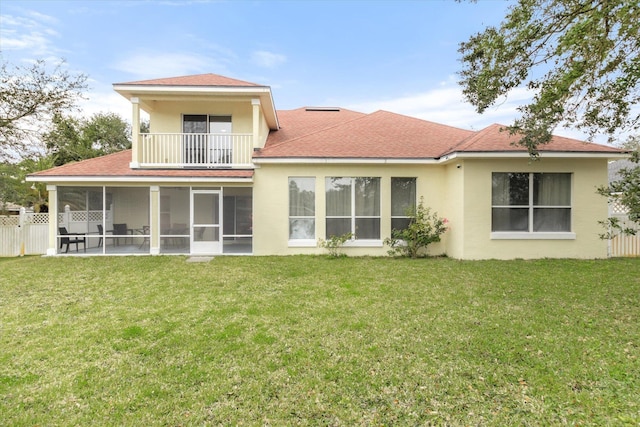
column 403, row 198
column 302, row 208
column 353, row 206
column 531, row 202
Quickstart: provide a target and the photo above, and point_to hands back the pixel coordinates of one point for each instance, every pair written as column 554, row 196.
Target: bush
column 334, row 244
column 424, row 228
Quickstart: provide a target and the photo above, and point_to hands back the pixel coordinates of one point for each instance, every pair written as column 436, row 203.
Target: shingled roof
column 337, row 133
column 377, row 135
column 495, row 138
column 117, row 165
column 195, row 80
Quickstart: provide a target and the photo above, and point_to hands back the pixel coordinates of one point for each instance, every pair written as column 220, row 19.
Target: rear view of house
column 222, row 172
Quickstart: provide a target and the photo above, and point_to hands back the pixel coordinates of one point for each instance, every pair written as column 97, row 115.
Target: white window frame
column 293, row 242
column 415, row 201
column 356, row 241
column 531, row 234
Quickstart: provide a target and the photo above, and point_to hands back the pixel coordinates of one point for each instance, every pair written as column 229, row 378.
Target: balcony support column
column 135, row 133
column 256, row 122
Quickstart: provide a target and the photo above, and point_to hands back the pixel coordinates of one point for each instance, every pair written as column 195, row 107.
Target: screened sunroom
column 154, row 220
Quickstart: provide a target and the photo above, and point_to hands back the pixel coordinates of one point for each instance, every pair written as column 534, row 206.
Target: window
column 353, row 206
column 531, row 202
column 403, row 198
column 302, row 208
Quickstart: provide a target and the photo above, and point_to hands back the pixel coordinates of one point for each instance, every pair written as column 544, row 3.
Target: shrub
column 424, row 228
column 334, row 243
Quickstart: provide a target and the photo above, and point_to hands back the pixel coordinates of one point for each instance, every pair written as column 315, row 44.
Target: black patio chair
column 101, row 233
column 69, row 239
column 122, row 230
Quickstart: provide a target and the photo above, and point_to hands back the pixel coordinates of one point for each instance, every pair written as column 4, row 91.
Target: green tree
column 64, row 141
column 14, row 188
column 29, row 97
column 107, row 133
column 580, row 59
column 72, row 139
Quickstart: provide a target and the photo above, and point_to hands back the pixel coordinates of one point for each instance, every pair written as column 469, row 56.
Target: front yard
column 318, row 341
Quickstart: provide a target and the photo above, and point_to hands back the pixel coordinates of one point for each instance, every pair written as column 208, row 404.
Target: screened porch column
column 154, row 246
column 256, row 122
column 135, row 132
column 53, row 219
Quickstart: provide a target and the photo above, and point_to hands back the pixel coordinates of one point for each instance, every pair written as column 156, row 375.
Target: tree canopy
column 580, row 59
column 73, row 139
column 14, row 188
column 625, row 190
column 29, row 97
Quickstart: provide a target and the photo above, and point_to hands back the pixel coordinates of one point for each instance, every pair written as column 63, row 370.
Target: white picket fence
column 28, row 232
column 24, row 234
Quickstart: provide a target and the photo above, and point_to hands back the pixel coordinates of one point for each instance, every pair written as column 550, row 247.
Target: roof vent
column 334, row 109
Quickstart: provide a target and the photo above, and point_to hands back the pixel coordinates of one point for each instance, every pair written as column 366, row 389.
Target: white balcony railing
column 195, row 150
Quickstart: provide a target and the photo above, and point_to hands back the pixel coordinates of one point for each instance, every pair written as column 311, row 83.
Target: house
column 221, row 171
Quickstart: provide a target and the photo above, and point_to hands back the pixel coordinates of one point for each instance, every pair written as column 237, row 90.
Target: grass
column 315, row 341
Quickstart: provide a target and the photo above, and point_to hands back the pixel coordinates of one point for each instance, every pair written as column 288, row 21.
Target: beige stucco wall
column 166, row 116
column 459, row 191
column 271, row 202
column 454, row 207
column 587, row 209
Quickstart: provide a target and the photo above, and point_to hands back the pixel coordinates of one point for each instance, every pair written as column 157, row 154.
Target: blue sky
column 399, row 55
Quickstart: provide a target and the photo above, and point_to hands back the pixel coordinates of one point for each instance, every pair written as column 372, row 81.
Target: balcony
column 195, row 150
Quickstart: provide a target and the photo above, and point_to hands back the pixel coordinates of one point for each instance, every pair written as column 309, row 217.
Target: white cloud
column 37, row 16
column 152, row 65
column 266, row 59
column 32, row 35
column 446, row 105
column 105, row 101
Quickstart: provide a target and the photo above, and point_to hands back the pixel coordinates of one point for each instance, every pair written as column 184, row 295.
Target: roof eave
column 129, row 91
column 524, row 155
column 158, row 179
column 343, row 160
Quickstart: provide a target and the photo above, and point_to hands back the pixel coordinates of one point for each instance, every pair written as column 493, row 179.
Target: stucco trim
column 532, row 236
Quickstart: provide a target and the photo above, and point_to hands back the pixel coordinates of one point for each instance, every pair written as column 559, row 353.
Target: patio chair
column 101, row 233
column 67, row 240
column 122, row 230
column 145, row 232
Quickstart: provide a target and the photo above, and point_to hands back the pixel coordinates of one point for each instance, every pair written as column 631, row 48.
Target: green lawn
column 317, row 341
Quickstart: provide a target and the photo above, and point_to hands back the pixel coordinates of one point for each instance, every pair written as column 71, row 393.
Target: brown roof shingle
column 117, row 165
column 348, row 134
column 495, row 138
column 377, row 135
column 195, row 80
